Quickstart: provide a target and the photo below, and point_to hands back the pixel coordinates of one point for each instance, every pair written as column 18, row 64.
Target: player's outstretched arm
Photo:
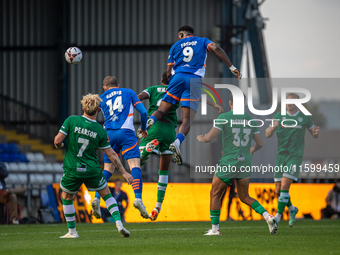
column 218, row 108
column 58, row 140
column 117, row 164
column 210, row 136
column 258, row 143
column 224, row 57
column 314, row 131
column 270, row 130
column 142, row 96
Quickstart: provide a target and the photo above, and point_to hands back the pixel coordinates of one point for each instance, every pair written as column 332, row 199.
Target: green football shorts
column 165, row 133
column 227, row 174
column 287, row 166
column 71, row 184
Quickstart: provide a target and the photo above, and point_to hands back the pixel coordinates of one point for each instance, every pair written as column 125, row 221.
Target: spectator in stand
column 332, row 210
column 121, row 198
column 9, row 196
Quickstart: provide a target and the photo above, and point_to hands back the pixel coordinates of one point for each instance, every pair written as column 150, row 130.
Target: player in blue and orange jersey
column 117, row 107
column 186, row 69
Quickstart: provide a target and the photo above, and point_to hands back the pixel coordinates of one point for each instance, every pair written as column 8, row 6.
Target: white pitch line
column 157, row 229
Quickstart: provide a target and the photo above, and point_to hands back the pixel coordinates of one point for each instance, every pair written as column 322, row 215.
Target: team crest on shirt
column 300, row 119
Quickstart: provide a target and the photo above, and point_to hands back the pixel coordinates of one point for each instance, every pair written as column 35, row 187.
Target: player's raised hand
column 219, row 108
column 128, row 177
column 236, row 72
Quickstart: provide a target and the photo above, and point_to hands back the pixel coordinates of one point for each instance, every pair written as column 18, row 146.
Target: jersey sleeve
column 309, row 123
column 276, row 117
column 219, row 122
column 207, row 42
column 65, row 128
column 171, row 60
column 104, row 142
column 148, row 91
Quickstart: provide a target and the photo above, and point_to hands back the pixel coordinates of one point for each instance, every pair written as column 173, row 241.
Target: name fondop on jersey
column 188, row 44
column 84, row 131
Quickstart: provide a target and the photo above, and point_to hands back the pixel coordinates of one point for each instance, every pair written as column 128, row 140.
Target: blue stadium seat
column 4, row 157
column 12, row 148
column 14, row 157
column 22, row 158
column 3, row 148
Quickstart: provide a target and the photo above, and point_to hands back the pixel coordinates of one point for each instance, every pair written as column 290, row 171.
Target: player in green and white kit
column 237, row 134
column 291, row 144
column 81, row 164
column 160, row 136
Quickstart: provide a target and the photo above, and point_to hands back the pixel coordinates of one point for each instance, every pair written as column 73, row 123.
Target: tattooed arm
column 117, row 164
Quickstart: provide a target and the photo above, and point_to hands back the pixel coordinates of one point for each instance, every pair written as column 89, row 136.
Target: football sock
column 278, row 217
column 159, row 206
column 290, row 206
column 69, row 213
column 179, row 139
column 162, row 184
column 107, row 176
column 257, row 207
column 215, row 227
column 137, row 183
column 144, row 156
column 215, row 217
column 283, row 201
column 112, row 207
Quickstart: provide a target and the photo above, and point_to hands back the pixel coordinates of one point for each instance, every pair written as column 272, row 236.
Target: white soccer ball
column 73, row 55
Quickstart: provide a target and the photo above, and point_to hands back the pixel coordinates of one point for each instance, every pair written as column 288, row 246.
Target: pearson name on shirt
column 84, row 131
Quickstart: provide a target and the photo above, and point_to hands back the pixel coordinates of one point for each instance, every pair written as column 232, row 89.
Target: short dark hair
column 231, row 97
column 293, row 95
column 110, row 81
column 186, row 28
column 118, row 180
column 165, row 79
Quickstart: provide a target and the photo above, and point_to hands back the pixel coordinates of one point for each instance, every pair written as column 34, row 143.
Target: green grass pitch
column 253, row 237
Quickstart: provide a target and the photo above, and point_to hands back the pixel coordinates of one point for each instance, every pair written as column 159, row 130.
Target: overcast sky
column 302, row 41
column 302, row 38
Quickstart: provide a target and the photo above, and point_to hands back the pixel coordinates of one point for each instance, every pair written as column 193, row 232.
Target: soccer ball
column 73, row 55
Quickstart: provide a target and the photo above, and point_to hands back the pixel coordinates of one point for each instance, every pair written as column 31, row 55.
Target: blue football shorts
column 186, row 88
column 123, row 140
